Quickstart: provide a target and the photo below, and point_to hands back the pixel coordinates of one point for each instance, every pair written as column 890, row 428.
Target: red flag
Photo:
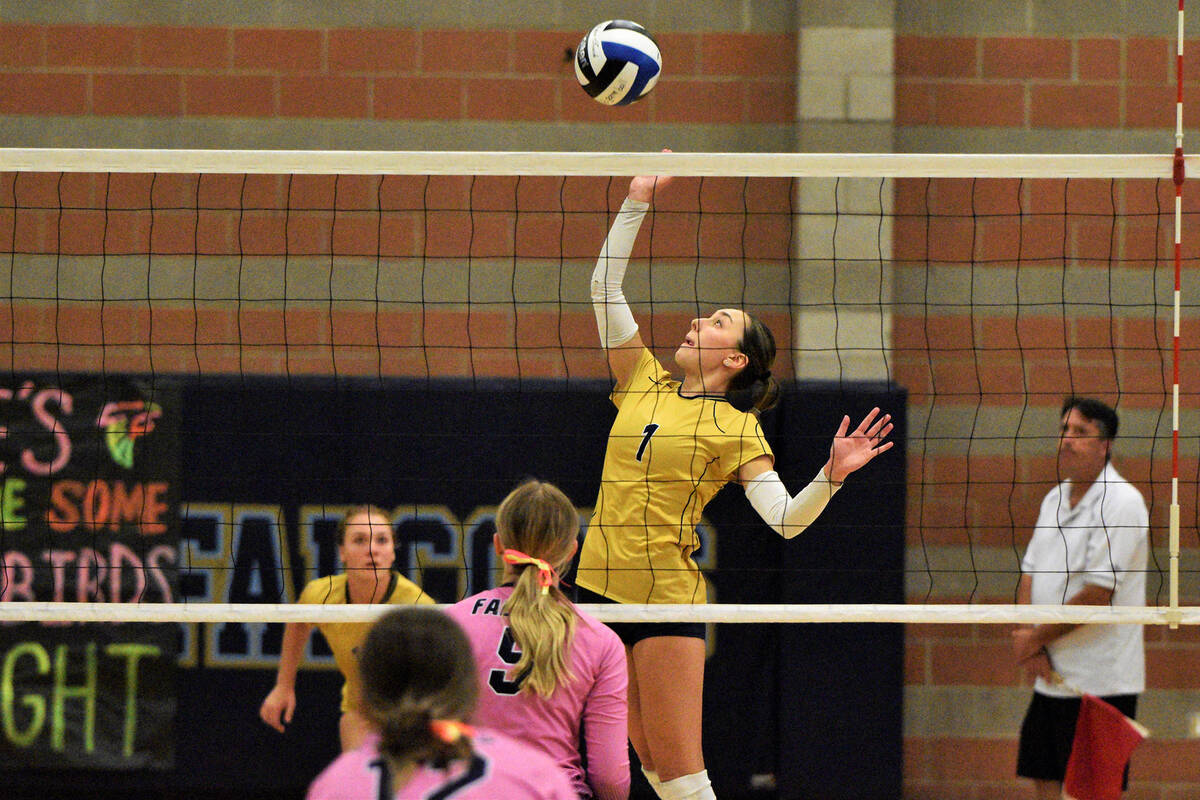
column 1104, row 740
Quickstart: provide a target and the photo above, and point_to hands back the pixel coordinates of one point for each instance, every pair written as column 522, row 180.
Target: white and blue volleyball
column 618, row 62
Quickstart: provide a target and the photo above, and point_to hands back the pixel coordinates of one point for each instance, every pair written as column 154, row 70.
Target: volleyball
column 617, row 62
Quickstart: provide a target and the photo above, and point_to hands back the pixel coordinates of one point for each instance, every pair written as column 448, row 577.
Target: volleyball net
column 212, row 356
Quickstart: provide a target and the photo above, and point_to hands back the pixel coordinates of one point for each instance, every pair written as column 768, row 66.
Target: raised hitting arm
column 618, row 330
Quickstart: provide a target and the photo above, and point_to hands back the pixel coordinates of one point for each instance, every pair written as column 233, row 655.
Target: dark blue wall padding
column 816, row 709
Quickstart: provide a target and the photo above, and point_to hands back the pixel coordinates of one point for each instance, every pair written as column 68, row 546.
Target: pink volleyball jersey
column 499, row 767
column 592, row 706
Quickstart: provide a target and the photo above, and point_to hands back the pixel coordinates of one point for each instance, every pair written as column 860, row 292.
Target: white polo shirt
column 1104, row 541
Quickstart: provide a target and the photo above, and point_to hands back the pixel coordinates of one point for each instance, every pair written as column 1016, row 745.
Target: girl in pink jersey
column 418, row 686
column 549, row 674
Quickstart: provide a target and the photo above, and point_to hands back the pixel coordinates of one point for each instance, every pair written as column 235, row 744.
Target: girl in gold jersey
column 673, row 445
column 367, row 551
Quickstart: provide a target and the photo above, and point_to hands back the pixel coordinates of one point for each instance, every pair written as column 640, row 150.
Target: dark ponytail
column 754, row 389
column 417, row 668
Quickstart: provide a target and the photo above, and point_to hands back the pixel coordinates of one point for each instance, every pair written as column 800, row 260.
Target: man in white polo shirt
column 1089, row 547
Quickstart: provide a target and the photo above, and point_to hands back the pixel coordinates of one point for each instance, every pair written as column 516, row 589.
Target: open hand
column 852, row 451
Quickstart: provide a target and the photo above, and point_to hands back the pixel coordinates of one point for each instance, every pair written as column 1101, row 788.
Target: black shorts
column 1049, row 730
column 633, row 632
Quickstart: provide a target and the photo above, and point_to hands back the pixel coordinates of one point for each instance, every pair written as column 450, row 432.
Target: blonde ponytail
column 537, row 519
column 542, row 626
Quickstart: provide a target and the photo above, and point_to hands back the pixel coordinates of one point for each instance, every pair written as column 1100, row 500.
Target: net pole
column 1178, row 174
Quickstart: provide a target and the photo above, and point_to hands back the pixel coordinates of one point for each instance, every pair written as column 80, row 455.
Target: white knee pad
column 652, row 779
column 688, row 787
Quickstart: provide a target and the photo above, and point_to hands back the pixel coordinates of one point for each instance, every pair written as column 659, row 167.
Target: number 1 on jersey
column 649, row 431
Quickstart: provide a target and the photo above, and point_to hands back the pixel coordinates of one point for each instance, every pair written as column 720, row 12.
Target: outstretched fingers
column 875, row 428
column 871, row 423
column 851, row 451
column 879, row 440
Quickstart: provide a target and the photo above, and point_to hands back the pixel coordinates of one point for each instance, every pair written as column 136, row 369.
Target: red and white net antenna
column 1178, row 174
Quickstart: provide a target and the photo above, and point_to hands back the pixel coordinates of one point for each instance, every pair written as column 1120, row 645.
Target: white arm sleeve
column 786, row 515
column 613, row 317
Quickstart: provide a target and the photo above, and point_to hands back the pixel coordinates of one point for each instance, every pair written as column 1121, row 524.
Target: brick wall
column 380, row 276
column 365, row 74
column 1039, row 81
column 166, row 77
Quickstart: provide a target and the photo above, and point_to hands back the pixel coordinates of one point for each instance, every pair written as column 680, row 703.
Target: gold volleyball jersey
column 667, row 456
column 345, row 637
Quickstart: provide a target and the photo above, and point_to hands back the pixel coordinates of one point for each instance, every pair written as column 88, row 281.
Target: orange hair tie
column 449, row 730
column 545, row 571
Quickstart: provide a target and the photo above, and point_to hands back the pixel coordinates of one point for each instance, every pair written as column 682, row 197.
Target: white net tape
column 771, row 165
column 722, row 613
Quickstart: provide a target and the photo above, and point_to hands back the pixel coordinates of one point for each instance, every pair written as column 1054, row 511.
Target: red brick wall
column 1040, row 82
column 402, row 223
column 333, row 73
column 1001, row 356
column 350, row 74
